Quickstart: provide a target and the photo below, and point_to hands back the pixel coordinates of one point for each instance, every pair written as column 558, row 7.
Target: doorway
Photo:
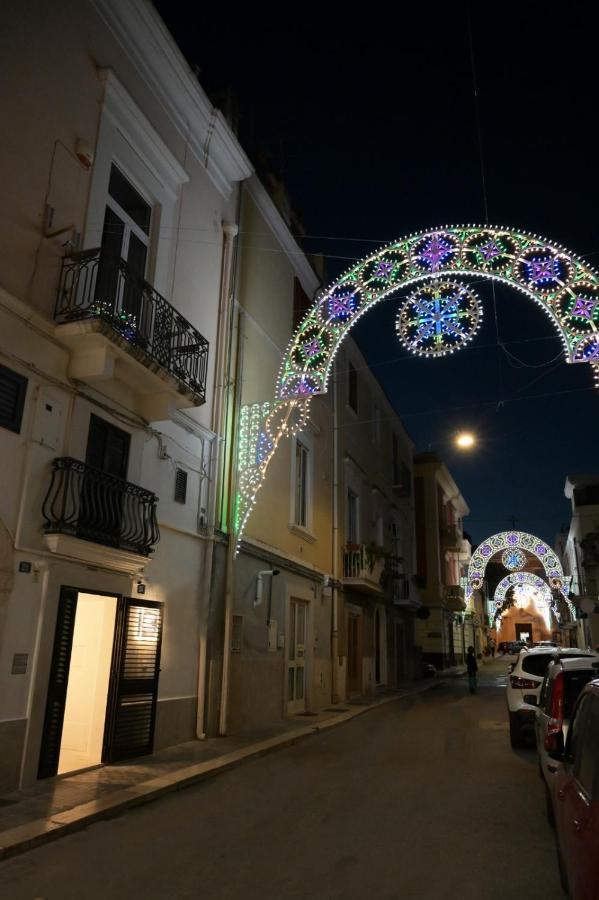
column 296, row 663
column 87, row 688
column 523, row 632
column 354, row 654
column 399, row 652
column 103, row 684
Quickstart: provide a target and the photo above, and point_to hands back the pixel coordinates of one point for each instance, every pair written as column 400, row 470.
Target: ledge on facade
column 96, row 554
column 303, row 533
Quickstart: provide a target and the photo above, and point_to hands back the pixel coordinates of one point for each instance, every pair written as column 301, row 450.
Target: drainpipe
column 226, row 302
column 231, row 546
column 335, row 561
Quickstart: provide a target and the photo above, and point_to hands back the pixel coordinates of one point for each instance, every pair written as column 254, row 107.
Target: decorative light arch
column 516, row 540
column 518, row 579
column 562, row 284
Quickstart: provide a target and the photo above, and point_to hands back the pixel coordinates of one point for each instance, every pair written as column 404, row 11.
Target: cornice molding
column 151, row 48
column 273, row 218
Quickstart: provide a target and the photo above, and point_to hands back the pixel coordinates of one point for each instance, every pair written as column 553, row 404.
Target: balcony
column 455, row 598
column 99, row 518
column 451, row 537
column 404, row 592
column 362, row 570
column 118, row 328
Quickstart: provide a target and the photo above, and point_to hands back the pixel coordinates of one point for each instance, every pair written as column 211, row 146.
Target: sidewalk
column 59, row 806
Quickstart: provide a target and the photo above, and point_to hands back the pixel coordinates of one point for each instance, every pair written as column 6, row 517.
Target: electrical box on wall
column 47, row 425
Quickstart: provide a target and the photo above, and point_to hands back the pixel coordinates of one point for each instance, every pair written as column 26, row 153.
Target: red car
column 575, row 798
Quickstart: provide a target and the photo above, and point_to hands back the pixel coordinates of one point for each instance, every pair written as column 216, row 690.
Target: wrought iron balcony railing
column 94, row 285
column 90, row 504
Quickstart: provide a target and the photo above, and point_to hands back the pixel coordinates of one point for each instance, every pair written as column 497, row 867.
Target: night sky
column 372, row 124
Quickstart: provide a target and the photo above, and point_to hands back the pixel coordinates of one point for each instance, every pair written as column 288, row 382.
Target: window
column 301, row 485
column 352, row 387
column 13, row 388
column 352, row 517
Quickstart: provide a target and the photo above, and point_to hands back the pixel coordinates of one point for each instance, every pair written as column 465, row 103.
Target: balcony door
column 124, row 254
column 101, row 499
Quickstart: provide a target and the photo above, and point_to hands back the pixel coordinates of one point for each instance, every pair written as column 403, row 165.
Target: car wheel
column 549, row 807
column 563, row 875
column 516, row 739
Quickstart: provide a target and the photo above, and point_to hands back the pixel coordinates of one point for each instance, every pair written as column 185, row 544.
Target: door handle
column 561, row 794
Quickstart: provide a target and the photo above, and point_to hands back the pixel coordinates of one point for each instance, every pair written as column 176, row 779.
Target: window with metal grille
column 13, row 388
column 180, row 485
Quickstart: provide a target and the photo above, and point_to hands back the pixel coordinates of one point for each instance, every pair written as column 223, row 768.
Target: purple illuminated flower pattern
column 490, row 249
column 583, row 308
column 342, row 306
column 512, row 538
column 541, row 271
column 540, row 549
column 485, row 550
column 383, row 269
column 436, row 251
column 312, row 348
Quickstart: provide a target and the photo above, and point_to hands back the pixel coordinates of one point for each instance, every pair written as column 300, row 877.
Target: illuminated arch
column 562, row 284
column 515, row 579
column 516, row 540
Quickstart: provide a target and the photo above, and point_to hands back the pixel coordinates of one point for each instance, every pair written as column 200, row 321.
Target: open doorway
column 103, row 682
column 87, row 689
column 524, row 633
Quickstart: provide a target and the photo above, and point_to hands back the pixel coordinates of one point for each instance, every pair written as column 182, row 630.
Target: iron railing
column 91, row 504
column 94, row 285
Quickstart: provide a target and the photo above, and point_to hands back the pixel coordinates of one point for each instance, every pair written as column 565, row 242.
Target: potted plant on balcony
column 373, row 552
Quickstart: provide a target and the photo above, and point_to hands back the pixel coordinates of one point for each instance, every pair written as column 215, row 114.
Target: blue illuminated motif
column 439, row 318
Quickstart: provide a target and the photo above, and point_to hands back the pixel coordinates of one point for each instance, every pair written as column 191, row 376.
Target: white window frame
column 303, row 439
column 127, row 139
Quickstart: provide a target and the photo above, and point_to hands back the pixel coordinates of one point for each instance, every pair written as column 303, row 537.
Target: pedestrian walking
column 492, row 647
column 472, row 668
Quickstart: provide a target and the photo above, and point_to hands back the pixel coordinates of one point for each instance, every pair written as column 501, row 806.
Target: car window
column 574, row 683
column 536, row 663
column 576, row 730
column 586, row 762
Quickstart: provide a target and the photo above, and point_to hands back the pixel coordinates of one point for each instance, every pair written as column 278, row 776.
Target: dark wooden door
column 101, row 498
column 57, row 684
column 354, row 655
column 107, row 447
column 131, row 714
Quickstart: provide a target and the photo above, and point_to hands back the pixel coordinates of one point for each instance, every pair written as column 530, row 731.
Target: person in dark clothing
column 472, row 668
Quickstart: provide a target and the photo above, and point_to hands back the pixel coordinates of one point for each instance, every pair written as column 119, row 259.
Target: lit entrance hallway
column 416, row 799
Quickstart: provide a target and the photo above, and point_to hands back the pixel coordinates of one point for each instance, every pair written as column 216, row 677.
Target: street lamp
column 465, row 440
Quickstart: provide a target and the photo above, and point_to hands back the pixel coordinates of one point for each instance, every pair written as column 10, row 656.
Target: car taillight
column 523, row 683
column 555, row 723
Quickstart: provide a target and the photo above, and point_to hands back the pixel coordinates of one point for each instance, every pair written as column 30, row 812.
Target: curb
column 42, row 831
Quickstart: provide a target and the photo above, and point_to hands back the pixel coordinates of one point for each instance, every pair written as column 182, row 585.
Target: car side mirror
column 531, row 699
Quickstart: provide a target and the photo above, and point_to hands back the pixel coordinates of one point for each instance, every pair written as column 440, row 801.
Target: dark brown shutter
column 57, row 686
column 131, row 714
column 13, row 388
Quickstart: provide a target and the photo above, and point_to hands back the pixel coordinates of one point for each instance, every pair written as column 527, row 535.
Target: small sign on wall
column 25, row 567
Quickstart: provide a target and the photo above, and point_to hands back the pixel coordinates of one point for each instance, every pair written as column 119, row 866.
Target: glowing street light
column 465, row 440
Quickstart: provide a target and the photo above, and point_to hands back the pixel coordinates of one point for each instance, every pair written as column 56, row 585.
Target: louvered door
column 133, row 692
column 57, row 686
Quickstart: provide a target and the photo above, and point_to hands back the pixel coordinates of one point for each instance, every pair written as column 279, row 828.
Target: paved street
column 417, row 799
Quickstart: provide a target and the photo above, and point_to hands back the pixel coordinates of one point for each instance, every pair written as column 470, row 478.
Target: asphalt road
column 417, row 799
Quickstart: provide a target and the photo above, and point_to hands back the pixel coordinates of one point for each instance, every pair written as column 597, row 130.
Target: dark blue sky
column 371, row 122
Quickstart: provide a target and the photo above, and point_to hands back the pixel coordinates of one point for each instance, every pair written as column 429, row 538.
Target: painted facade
column 443, row 554
column 112, row 141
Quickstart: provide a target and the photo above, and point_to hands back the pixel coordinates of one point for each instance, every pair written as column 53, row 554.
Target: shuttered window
column 13, row 388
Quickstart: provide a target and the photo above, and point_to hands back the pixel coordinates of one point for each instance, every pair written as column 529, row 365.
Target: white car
column 525, row 679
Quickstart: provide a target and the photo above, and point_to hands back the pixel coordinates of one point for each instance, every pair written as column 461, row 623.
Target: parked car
column 575, row 799
column 564, row 680
column 525, row 679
